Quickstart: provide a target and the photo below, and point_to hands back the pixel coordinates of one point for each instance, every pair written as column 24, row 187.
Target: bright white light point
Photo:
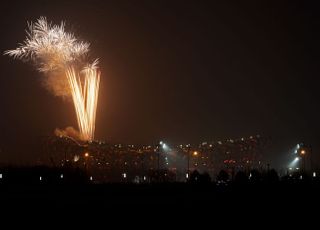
column 61, row 176
column 187, row 175
column 124, row 175
column 161, row 142
column 314, row 174
column 144, row 178
column 296, row 159
column 40, row 178
column 0, row 175
column 76, row 158
column 91, row 178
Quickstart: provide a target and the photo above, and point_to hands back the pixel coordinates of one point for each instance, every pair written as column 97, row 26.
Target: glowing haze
column 63, row 59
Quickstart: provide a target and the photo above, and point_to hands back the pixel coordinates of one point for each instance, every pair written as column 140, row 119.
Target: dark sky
column 183, row 71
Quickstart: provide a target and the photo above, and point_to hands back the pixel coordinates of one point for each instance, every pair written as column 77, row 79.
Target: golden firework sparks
column 51, row 48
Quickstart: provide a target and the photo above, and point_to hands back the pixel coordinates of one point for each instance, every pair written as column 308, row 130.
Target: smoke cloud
column 69, row 132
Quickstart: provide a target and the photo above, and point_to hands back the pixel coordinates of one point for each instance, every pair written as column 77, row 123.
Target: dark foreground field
column 160, row 196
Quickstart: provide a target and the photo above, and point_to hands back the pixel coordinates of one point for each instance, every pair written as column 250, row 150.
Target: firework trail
column 63, row 57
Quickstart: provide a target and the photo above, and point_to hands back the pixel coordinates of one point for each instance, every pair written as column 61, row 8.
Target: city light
column 76, row 158
column 303, row 152
column 164, row 146
column 0, row 175
column 137, row 159
column 40, row 178
column 314, row 174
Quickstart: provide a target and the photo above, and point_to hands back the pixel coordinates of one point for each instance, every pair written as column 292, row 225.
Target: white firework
column 50, row 46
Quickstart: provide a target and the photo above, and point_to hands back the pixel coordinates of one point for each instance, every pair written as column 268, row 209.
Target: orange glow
column 195, row 153
column 86, row 154
column 303, row 152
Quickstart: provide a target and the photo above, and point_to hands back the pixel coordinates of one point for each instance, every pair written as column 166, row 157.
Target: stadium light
column 164, row 146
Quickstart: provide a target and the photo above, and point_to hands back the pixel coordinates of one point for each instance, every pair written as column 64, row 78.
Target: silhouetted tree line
column 75, row 175
column 42, row 175
column 253, row 177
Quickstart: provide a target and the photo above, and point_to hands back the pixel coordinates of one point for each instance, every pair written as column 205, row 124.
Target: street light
column 188, row 166
column 194, row 153
column 86, row 156
column 303, row 153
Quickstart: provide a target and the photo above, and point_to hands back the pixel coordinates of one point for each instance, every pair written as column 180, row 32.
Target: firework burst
column 52, row 49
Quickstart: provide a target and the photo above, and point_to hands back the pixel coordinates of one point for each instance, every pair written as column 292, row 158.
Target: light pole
column 303, row 156
column 188, row 162
column 86, row 156
column 159, row 149
column 158, row 159
column 195, row 153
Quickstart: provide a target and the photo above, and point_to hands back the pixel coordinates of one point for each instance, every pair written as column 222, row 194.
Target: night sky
column 182, row 71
